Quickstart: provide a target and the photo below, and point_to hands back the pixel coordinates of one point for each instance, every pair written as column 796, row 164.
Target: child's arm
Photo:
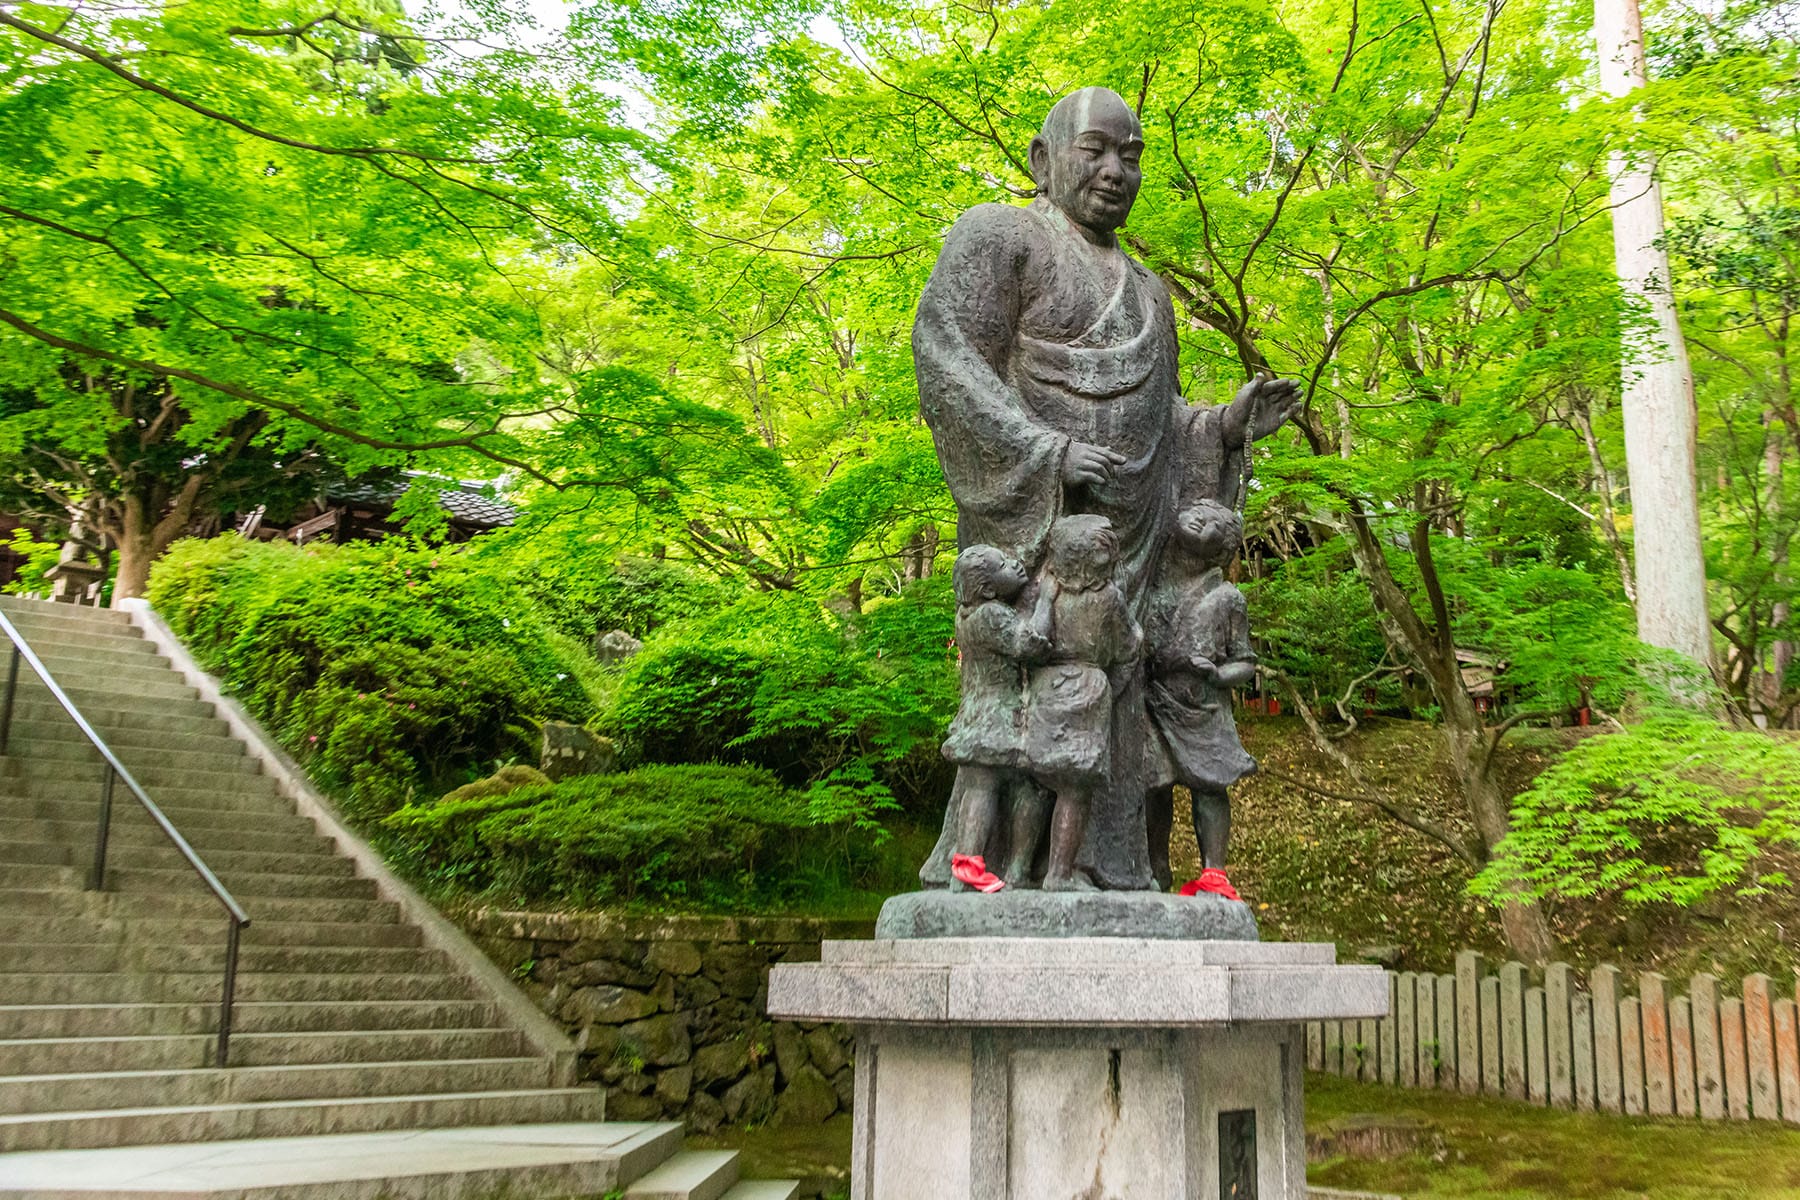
column 1240, row 668
column 1042, row 622
column 1016, row 638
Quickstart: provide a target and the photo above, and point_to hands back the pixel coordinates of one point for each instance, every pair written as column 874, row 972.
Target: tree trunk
column 136, row 550
column 1657, row 389
column 148, row 526
column 1465, row 735
column 1609, row 525
column 1527, row 932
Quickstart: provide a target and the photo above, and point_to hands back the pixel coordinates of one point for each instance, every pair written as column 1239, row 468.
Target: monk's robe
column 1029, row 337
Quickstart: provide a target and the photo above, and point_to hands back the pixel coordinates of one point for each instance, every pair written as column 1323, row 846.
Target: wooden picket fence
column 1589, row 1047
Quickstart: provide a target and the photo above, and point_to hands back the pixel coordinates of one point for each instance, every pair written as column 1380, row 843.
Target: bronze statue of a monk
column 1047, row 367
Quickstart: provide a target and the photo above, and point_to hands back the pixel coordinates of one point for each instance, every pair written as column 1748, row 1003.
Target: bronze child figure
column 986, row 740
column 1069, row 708
column 1200, row 638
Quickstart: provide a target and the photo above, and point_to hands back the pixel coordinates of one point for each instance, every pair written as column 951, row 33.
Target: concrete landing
column 542, row 1161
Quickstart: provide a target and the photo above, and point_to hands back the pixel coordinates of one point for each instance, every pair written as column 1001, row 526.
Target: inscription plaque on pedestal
column 1237, row 1154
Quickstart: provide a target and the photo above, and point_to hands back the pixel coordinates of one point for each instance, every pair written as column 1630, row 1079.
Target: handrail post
column 97, row 876
column 12, row 690
column 223, row 1057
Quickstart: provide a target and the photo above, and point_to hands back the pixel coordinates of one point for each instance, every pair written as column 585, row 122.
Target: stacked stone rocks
column 667, row 1012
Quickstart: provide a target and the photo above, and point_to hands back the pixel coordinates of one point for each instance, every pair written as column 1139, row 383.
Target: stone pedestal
column 1077, row 1068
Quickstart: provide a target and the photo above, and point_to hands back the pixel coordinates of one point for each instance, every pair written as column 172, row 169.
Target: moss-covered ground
column 1506, row 1150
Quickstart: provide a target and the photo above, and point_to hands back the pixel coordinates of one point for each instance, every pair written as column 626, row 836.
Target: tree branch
column 157, row 89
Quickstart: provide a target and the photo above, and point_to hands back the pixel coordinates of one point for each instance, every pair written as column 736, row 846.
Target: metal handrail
column 116, row 771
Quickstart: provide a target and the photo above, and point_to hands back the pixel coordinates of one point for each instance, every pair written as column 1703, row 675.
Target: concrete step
column 57, row 1056
column 18, row 987
column 244, row 803
column 113, row 719
column 298, row 838
column 764, row 1189
column 122, row 677
column 58, row 649
column 48, row 638
column 182, row 881
column 27, row 1022
column 36, row 631
column 92, row 683
column 546, row 1162
column 123, row 673
column 210, row 737
column 105, row 706
column 31, row 775
column 139, row 955
column 198, row 811
column 155, row 931
column 93, row 1091
column 689, row 1175
column 197, row 905
column 73, row 652
column 70, row 746
column 271, row 816
column 123, row 668
column 13, row 605
column 287, row 1118
column 164, row 856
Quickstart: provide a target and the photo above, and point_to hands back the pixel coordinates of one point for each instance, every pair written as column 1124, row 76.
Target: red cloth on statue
column 972, row 870
column 1212, row 881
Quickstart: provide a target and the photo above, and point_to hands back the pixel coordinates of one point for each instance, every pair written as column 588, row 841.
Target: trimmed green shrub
column 721, row 837
column 856, row 704
column 390, row 672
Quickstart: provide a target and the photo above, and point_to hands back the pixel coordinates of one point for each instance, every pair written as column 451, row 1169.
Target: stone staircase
column 348, row 1023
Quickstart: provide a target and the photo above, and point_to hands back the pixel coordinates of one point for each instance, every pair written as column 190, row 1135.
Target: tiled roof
column 468, row 503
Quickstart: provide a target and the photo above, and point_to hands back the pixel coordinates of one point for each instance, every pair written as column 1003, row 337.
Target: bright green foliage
column 709, row 836
column 1562, row 634
column 248, row 242
column 38, row 557
column 389, row 672
column 857, row 704
column 1315, row 624
column 1671, row 810
column 584, row 590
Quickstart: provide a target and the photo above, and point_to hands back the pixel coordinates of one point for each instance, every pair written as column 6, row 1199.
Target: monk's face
column 1087, row 159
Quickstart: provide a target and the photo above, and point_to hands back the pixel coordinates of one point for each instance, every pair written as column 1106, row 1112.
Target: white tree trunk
column 1657, row 383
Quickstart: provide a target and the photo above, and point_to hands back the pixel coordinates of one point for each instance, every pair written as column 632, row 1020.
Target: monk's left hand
column 1274, row 401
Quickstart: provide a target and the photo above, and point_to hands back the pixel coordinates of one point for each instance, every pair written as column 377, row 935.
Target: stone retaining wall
column 668, row 1012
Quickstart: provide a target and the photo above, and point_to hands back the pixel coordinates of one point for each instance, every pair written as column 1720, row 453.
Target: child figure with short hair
column 1069, row 710
column 1200, row 638
column 986, row 740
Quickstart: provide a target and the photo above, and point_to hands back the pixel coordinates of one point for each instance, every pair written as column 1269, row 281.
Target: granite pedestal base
column 1016, row 913
column 1077, row 1068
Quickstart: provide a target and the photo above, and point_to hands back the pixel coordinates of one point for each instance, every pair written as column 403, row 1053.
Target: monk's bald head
column 1078, row 110
column 1085, row 159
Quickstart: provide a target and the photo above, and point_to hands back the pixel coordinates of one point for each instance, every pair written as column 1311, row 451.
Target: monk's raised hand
column 1086, row 464
column 1273, row 401
column 1277, row 401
